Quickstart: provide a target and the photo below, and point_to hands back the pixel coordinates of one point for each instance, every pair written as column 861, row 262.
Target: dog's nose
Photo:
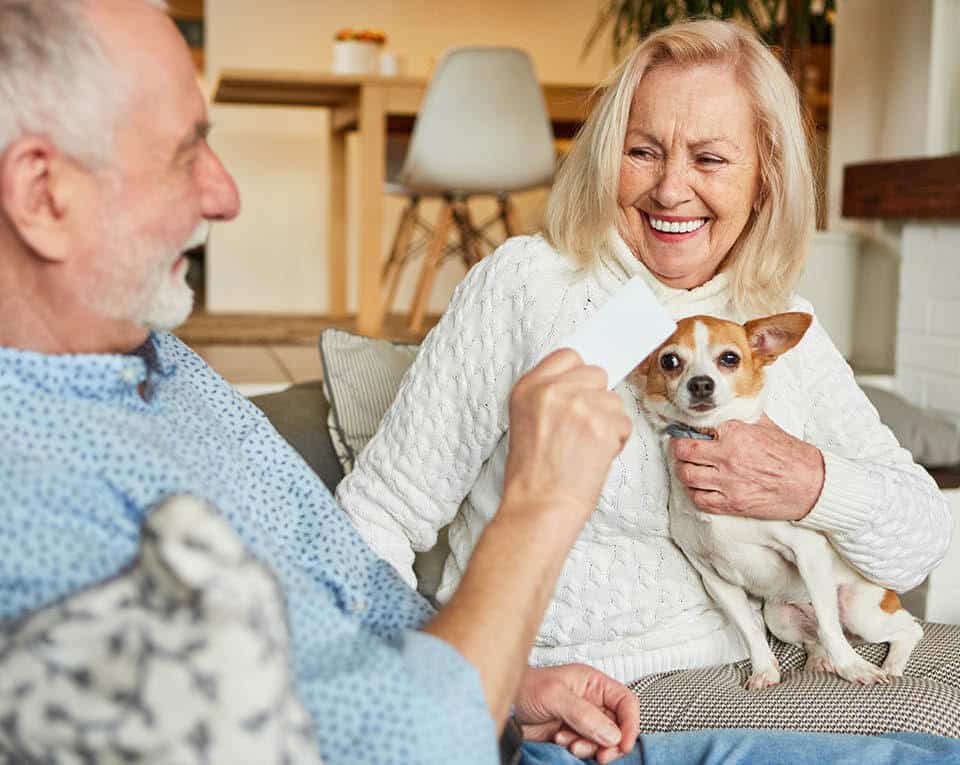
column 700, row 386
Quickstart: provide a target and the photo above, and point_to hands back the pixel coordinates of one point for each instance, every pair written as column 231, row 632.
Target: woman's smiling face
column 689, row 175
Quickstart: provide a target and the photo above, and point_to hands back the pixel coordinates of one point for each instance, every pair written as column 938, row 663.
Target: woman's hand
column 758, row 471
column 579, row 708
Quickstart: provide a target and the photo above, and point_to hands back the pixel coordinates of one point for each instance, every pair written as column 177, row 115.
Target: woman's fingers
column 695, row 476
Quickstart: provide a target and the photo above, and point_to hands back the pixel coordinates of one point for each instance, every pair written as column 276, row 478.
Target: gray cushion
column 932, row 441
column 298, row 413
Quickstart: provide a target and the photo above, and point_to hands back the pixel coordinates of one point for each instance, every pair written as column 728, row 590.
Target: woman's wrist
column 815, row 474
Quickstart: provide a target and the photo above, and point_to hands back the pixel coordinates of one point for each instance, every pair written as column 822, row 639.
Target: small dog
column 710, row 371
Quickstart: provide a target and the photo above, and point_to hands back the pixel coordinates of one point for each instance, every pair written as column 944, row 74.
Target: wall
column 896, row 93
column 928, row 336
column 297, row 34
column 280, row 193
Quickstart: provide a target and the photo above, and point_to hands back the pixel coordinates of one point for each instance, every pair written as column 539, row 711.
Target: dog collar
column 676, row 430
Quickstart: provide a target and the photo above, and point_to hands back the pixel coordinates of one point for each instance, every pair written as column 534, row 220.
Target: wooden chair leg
column 472, row 244
column 399, row 252
column 438, row 243
column 508, row 214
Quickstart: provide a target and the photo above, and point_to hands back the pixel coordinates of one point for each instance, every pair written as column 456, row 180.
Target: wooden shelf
column 927, row 188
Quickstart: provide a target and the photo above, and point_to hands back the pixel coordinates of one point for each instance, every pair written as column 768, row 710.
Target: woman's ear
column 37, row 187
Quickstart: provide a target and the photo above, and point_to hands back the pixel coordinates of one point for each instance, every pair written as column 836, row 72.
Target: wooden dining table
column 373, row 106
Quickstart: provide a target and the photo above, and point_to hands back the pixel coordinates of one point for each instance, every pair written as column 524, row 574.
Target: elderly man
column 105, row 173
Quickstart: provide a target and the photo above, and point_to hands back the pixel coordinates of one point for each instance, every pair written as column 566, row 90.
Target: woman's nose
column 673, row 188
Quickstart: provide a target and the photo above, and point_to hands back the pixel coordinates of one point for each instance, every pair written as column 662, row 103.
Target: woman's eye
column 729, row 359
column 669, row 362
column 642, row 153
column 710, row 161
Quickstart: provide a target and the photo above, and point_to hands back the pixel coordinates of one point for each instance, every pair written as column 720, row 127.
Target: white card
column 623, row 331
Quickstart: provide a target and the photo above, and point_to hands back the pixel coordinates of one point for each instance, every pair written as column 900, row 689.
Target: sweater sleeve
column 449, row 414
column 882, row 511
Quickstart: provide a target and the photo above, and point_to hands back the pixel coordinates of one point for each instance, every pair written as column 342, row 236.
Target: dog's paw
column 763, row 678
column 818, row 663
column 894, row 668
column 861, row 671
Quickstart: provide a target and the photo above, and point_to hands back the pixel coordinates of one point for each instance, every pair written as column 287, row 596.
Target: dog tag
column 623, row 331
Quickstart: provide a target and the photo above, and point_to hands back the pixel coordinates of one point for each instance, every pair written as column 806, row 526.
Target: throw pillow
column 361, row 379
column 182, row 657
column 933, row 442
column 361, row 376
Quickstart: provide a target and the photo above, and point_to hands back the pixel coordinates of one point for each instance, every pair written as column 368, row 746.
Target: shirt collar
column 86, row 375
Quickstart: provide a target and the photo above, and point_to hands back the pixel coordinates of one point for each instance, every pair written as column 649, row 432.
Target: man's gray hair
column 56, row 78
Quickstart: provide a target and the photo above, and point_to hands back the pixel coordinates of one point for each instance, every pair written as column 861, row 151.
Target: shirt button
column 129, row 374
column 359, row 607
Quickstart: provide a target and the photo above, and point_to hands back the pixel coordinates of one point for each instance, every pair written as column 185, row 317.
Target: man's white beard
column 163, row 301
column 169, row 305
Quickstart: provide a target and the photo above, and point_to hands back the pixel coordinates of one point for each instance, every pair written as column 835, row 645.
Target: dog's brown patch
column 891, row 602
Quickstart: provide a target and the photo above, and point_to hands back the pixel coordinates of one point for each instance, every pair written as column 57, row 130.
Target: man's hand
column 565, row 430
column 580, row 708
column 758, row 471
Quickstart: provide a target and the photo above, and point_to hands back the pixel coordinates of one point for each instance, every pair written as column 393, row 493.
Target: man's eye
column 669, row 362
column 729, row 359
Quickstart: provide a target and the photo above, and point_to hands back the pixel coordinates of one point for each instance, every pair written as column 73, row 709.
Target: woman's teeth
column 675, row 227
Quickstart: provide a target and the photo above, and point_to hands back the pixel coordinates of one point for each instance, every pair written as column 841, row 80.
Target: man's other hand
column 579, row 708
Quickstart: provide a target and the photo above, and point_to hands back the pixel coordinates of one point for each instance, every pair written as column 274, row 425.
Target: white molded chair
column 482, row 129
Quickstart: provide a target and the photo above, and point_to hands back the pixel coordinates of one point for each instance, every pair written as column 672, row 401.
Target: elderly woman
column 692, row 172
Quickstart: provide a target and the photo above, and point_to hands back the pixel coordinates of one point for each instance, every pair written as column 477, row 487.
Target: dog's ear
column 641, row 370
column 772, row 336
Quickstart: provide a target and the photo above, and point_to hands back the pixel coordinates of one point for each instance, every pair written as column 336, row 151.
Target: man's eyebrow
column 199, row 133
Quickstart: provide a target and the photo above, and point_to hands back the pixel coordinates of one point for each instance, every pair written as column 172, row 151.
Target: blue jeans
column 766, row 747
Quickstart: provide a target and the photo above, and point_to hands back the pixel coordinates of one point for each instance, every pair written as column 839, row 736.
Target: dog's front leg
column 814, row 560
column 733, row 600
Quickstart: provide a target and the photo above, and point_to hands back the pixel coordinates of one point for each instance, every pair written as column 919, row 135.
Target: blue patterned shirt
column 83, row 456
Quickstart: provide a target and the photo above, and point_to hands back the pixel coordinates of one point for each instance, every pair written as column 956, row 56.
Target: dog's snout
column 700, row 386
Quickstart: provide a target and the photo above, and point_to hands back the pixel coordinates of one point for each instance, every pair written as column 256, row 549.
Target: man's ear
column 772, row 336
column 37, row 183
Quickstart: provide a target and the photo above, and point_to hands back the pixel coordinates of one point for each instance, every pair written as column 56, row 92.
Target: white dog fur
column 810, row 594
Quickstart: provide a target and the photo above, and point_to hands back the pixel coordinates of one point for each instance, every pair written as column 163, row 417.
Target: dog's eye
column 669, row 362
column 729, row 359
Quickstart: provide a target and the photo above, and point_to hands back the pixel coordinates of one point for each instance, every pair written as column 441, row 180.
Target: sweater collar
column 618, row 260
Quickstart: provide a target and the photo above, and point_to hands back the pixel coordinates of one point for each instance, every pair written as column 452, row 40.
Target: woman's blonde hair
column 766, row 260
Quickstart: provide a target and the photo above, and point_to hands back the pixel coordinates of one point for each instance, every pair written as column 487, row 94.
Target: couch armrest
column 299, row 414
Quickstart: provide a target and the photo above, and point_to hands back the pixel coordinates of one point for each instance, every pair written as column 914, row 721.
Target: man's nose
column 673, row 188
column 220, row 198
column 700, row 386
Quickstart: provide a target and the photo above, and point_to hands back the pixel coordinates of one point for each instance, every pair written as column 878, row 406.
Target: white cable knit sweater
column 627, row 601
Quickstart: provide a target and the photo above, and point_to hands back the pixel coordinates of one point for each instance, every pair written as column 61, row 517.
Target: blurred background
column 879, row 80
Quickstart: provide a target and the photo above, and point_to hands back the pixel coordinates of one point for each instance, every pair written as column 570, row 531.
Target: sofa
column 200, row 598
